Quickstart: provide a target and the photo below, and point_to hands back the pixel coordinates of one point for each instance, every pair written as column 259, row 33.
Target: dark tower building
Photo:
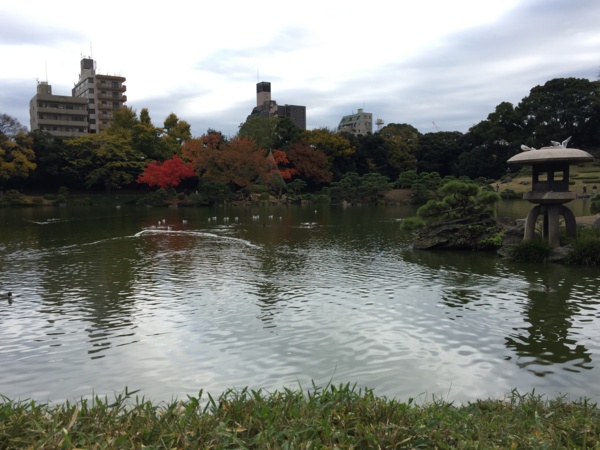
column 265, row 107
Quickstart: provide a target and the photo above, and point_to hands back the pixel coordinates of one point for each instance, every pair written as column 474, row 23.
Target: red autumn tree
column 168, row 173
column 282, row 165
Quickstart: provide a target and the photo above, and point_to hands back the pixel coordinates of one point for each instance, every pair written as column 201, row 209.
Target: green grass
column 332, row 417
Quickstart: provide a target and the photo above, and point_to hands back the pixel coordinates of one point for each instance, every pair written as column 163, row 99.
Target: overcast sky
column 434, row 64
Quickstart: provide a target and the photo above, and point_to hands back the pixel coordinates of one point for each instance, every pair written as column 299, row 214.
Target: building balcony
column 108, row 87
column 107, row 107
column 62, row 123
column 72, row 112
column 107, row 97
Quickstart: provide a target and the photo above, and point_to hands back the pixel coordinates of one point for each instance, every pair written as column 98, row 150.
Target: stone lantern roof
column 547, row 155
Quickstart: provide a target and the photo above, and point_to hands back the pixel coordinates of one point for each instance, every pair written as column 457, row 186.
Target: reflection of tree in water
column 92, row 284
column 277, row 266
column 547, row 338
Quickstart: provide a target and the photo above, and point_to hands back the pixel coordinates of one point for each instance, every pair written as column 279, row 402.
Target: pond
column 172, row 301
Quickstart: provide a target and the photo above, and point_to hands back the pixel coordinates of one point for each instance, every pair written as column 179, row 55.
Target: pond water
column 272, row 297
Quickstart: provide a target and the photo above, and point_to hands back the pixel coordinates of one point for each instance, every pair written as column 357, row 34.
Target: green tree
column 50, row 159
column 337, row 149
column 146, row 139
column 123, row 122
column 10, row 126
column 490, row 143
column 438, row 152
column 457, row 199
column 562, row 107
column 346, row 189
column 17, row 158
column 286, row 134
column 372, row 187
column 372, row 155
column 402, row 143
column 263, row 130
column 103, row 159
column 425, row 186
column 406, row 179
column 176, row 132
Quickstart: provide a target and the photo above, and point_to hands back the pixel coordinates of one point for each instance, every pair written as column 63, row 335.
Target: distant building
column 104, row 94
column 59, row 115
column 359, row 123
column 89, row 109
column 265, row 107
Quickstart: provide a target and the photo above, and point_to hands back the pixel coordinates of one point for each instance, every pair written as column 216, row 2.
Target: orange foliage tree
column 168, row 173
column 239, row 163
column 312, row 164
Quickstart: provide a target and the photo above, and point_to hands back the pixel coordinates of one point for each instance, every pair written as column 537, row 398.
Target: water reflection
column 549, row 338
column 213, row 304
column 552, row 307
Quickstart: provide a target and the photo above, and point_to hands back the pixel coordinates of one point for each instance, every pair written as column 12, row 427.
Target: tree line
column 273, row 156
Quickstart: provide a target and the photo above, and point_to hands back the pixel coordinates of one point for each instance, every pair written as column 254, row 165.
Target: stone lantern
column 550, row 188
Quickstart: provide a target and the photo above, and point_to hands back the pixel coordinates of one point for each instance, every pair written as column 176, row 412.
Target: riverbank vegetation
column 331, row 417
column 270, row 159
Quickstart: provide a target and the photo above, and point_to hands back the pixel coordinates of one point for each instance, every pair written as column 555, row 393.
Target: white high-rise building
column 59, row 115
column 104, row 93
column 359, row 123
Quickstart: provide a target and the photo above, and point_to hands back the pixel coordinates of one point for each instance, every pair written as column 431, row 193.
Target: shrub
column 509, row 194
column 64, row 191
column 195, row 199
column 533, row 251
column 412, row 223
column 492, row 242
column 585, row 248
column 12, row 197
column 595, row 204
column 156, row 198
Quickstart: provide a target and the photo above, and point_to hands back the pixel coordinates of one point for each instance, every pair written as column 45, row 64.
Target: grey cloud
column 15, row 30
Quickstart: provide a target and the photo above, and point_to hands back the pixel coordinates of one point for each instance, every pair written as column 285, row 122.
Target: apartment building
column 59, row 115
column 266, row 107
column 359, row 123
column 104, row 94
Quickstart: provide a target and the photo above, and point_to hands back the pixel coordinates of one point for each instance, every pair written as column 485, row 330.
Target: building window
column 91, row 101
column 92, row 111
column 115, row 84
column 90, row 80
column 115, row 104
column 92, row 121
column 90, row 90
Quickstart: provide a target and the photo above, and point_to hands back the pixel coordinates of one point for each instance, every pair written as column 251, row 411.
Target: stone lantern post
column 550, row 188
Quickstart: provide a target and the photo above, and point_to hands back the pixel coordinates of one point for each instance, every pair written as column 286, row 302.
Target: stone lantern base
column 551, row 214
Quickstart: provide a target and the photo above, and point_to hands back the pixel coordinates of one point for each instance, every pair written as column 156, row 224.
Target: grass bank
column 333, row 417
